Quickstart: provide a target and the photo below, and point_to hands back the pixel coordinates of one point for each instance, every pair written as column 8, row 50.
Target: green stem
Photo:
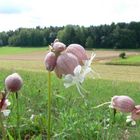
column 4, row 137
column 49, row 105
column 18, row 116
column 114, row 114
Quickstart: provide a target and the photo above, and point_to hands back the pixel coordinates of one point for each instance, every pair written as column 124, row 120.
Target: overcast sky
column 32, row 13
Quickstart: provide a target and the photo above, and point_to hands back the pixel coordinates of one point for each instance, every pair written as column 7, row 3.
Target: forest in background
column 114, row 36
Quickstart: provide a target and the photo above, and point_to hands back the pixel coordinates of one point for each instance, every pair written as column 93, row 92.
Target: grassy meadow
column 71, row 118
column 131, row 60
column 18, row 50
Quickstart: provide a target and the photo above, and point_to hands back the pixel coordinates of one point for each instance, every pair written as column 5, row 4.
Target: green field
column 131, row 60
column 19, row 50
column 71, row 118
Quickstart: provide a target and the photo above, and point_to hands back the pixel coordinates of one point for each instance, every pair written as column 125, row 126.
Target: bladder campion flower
column 136, row 113
column 79, row 75
column 4, row 103
column 50, row 61
column 74, row 79
column 58, row 47
column 66, row 64
column 4, row 109
column 78, row 51
column 134, row 116
column 86, row 68
column 129, row 119
column 13, row 82
column 122, row 103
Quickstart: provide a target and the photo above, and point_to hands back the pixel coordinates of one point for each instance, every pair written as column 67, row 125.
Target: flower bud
column 78, row 51
column 66, row 64
column 56, row 40
column 50, row 61
column 13, row 82
column 59, row 46
column 123, row 103
column 135, row 115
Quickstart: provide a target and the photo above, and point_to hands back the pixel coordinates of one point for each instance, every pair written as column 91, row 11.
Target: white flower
column 76, row 79
column 80, row 72
column 129, row 119
column 133, row 123
column 6, row 112
column 32, row 117
column 87, row 65
column 7, row 102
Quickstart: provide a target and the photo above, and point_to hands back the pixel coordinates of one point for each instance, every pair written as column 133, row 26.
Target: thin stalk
column 3, row 130
column 49, row 106
column 18, row 116
column 114, row 114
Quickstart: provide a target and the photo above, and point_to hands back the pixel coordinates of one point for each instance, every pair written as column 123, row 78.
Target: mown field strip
column 113, row 72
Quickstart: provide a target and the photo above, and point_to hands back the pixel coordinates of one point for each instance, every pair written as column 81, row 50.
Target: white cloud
column 31, row 13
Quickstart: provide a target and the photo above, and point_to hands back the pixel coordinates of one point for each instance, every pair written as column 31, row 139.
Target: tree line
column 114, row 36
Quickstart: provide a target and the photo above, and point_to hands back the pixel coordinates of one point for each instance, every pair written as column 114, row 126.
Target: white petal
column 128, row 117
column 66, row 85
column 86, row 63
column 32, row 117
column 91, row 58
column 128, row 120
column 133, row 123
column 7, row 102
column 68, row 80
column 86, row 71
column 77, row 70
column 78, row 79
column 6, row 112
column 111, row 106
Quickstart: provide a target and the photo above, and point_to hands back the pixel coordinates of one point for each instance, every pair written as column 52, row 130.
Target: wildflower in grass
column 4, row 112
column 78, row 51
column 134, row 116
column 129, row 119
column 136, row 113
column 79, row 75
column 32, row 117
column 50, row 61
column 76, row 78
column 81, row 70
column 66, row 64
column 13, row 82
column 122, row 103
column 4, row 103
column 4, row 109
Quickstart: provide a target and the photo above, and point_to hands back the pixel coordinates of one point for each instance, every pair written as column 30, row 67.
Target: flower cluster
column 70, row 63
column 125, row 104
